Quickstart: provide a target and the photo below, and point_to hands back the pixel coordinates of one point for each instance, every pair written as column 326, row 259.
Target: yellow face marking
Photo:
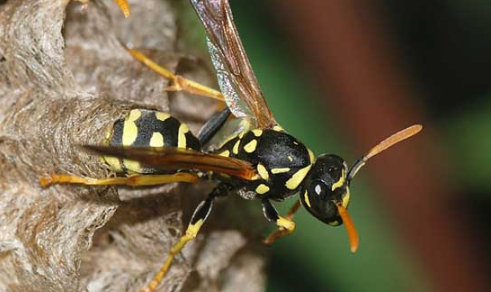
column 130, row 130
column 162, row 116
column 311, row 155
column 346, row 198
column 225, row 153
column 235, row 150
column 257, row 132
column 280, row 170
column 262, row 189
column 263, row 172
column 340, row 182
column 251, row 146
column 306, row 198
column 297, row 178
column 181, row 138
column 157, row 140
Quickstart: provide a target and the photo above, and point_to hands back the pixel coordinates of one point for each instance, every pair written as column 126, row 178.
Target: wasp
column 250, row 155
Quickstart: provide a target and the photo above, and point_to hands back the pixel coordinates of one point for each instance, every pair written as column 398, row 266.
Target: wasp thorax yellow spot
column 181, row 138
column 162, row 116
column 280, row 170
column 236, row 147
column 157, row 140
column 297, row 178
column 225, row 153
column 263, row 172
column 251, row 146
column 130, row 130
column 262, row 189
column 278, row 128
column 257, row 132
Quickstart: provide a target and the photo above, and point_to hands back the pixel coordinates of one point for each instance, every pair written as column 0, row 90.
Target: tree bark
column 65, row 77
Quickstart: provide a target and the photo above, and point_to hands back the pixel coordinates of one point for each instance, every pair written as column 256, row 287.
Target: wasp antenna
column 385, row 144
column 350, row 227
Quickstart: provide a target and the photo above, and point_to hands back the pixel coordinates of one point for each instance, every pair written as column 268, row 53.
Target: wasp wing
column 173, row 158
column 234, row 72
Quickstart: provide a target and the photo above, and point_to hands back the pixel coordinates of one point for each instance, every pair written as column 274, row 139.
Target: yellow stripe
column 280, row 170
column 157, row 140
column 162, row 116
column 262, row 189
column 278, row 128
column 235, row 150
column 306, row 198
column 340, row 182
column 130, row 130
column 225, row 153
column 311, row 155
column 257, row 132
column 181, row 138
column 346, row 198
column 251, row 146
column 297, row 178
column 263, row 172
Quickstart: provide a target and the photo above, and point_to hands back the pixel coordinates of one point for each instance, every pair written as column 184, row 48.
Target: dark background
column 341, row 76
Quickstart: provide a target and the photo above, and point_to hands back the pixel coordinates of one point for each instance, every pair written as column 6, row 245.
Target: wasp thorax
column 324, row 187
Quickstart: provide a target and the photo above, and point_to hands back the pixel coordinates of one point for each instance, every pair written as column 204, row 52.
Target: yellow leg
column 178, row 83
column 132, row 180
column 124, row 6
column 286, row 225
column 197, row 220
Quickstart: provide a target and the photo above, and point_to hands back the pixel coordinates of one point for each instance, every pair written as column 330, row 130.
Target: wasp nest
column 65, row 77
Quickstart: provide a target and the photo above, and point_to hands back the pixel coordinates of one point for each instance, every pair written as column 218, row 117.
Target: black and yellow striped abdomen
column 147, row 128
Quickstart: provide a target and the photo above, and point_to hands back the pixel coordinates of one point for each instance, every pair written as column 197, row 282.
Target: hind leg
column 178, row 83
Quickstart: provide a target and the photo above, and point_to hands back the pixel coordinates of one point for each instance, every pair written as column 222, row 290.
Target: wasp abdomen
column 147, row 128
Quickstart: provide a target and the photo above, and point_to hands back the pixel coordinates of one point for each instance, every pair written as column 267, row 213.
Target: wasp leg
column 124, row 6
column 285, row 224
column 132, row 180
column 197, row 220
column 178, row 83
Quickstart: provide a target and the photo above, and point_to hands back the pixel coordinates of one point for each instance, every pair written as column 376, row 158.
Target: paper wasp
column 250, row 155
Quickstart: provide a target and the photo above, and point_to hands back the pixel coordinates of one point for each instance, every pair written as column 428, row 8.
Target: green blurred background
column 442, row 50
